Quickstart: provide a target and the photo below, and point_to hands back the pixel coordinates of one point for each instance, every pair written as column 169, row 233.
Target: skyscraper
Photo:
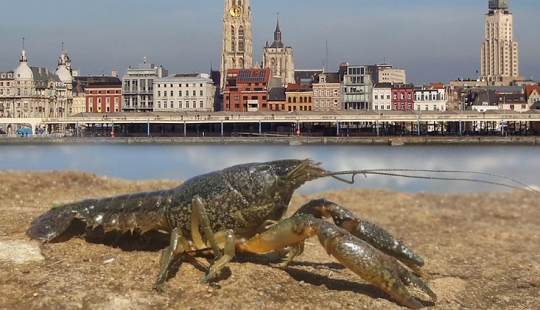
column 237, row 51
column 499, row 52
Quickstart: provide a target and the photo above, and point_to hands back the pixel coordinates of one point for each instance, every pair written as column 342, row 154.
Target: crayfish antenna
column 406, row 173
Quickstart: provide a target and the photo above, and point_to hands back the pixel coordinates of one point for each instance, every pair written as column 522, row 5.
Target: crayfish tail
column 52, row 223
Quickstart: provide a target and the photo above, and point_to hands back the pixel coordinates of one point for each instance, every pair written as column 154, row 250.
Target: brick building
column 403, row 97
column 103, row 94
column 246, row 90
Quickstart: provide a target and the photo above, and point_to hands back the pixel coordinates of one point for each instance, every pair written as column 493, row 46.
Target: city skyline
column 439, row 43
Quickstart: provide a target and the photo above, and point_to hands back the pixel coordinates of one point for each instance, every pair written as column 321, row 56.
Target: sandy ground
column 481, row 252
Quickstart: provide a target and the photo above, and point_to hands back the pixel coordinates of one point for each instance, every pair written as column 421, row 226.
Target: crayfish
column 240, row 209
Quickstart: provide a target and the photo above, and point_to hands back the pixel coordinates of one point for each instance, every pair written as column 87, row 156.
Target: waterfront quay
column 350, row 123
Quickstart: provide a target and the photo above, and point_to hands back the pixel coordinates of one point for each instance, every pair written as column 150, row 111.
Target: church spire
column 277, row 33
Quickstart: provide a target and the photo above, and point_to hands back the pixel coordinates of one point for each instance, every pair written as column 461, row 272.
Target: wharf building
column 138, row 87
column 184, row 92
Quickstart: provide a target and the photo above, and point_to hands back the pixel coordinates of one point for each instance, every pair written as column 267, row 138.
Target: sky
column 433, row 40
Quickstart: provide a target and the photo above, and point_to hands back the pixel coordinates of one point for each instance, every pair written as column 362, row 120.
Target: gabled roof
column 530, row 88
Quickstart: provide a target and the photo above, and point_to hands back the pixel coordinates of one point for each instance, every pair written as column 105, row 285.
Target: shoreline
column 293, row 141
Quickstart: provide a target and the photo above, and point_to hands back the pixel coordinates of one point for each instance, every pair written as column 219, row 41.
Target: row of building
column 38, row 92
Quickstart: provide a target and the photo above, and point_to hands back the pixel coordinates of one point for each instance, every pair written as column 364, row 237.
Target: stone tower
column 499, row 53
column 237, row 51
column 279, row 58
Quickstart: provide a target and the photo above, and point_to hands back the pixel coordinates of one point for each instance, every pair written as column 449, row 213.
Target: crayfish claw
column 375, row 267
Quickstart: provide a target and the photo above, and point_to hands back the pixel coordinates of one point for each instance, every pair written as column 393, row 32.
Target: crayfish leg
column 228, row 254
column 178, row 244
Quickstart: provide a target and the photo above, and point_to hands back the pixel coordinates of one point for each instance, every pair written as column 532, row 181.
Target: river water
column 182, row 161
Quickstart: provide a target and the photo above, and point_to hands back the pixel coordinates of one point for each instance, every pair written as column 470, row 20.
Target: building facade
column 184, row 92
column 246, row 90
column 6, row 102
column 385, row 73
column 138, row 83
column 279, row 58
column 403, row 97
column 533, row 94
column 382, row 94
column 356, row 88
column 326, row 92
column 299, row 97
column 103, row 94
column 431, row 98
column 499, row 58
column 34, row 92
column 237, row 50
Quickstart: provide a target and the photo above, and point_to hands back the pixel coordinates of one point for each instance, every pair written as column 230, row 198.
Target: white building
column 137, row 89
column 430, row 99
column 184, row 92
column 382, row 96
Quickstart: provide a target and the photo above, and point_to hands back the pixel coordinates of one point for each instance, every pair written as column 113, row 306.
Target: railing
column 206, row 116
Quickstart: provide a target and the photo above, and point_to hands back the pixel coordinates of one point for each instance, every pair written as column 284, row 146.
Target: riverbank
column 387, row 140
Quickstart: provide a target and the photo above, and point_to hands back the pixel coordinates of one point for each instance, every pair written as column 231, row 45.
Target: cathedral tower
column 279, row 58
column 499, row 53
column 237, row 51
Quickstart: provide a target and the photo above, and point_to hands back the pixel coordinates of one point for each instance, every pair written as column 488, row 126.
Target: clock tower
column 237, row 51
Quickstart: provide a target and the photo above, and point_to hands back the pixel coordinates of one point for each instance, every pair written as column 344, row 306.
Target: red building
column 103, row 94
column 403, row 97
column 246, row 90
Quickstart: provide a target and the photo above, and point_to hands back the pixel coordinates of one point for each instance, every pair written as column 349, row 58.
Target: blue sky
column 434, row 40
